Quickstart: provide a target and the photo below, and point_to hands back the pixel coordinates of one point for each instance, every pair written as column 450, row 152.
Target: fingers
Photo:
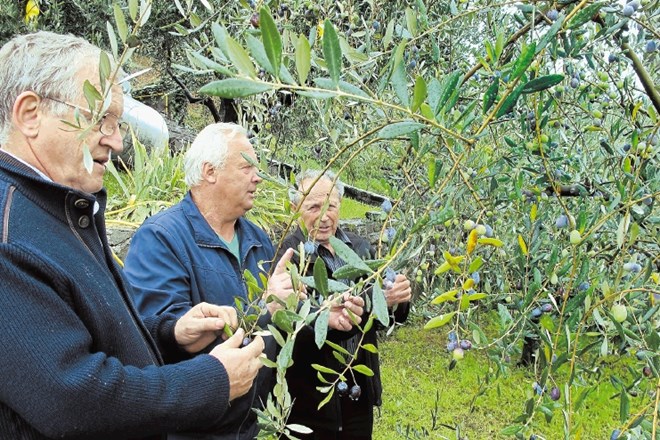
column 226, row 313
column 281, row 265
column 234, row 341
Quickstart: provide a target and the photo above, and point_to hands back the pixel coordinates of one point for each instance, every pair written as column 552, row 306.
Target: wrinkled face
column 320, row 210
column 59, row 147
column 238, row 179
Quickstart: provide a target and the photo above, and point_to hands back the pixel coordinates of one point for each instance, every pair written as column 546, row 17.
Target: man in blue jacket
column 77, row 361
column 197, row 251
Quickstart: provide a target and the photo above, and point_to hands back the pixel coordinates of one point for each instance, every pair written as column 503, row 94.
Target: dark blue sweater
column 76, row 360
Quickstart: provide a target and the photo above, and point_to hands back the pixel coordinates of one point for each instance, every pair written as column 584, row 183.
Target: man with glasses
column 77, row 361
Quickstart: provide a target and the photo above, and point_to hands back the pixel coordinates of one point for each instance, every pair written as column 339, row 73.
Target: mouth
column 102, row 162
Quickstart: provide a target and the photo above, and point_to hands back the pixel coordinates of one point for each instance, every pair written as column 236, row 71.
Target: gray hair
column 295, row 195
column 45, row 63
column 210, row 146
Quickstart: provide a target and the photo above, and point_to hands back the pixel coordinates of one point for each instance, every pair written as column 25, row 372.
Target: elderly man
column 197, row 250
column 349, row 414
column 77, row 361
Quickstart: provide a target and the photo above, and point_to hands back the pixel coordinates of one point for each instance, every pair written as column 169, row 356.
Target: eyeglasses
column 107, row 124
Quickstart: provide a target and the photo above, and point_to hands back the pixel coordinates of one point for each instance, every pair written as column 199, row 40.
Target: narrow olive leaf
column 380, row 305
column 439, row 321
column 432, row 172
column 371, row 348
column 542, row 83
column 133, row 9
column 286, row 77
column 363, row 369
column 389, row 33
column 411, row 21
column 321, row 277
column 120, row 21
column 550, row 35
column 333, row 285
column 303, row 58
column 348, row 273
column 285, row 355
column 220, row 34
column 331, row 51
column 315, row 94
column 234, row 88
column 88, row 160
column 419, row 93
column 399, row 129
column 258, row 53
column 301, row 429
column 491, row 95
column 240, row 58
column 348, row 88
column 210, row 64
column 91, row 94
column 584, row 15
column 327, row 398
column 348, row 255
column 399, row 81
column 321, row 326
column 272, row 40
column 145, row 11
column 448, row 87
column 524, row 60
column 434, row 91
column 338, row 348
column 113, row 40
column 104, row 68
column 510, row 101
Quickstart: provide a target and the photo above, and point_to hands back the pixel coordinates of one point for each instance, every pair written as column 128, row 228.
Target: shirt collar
column 39, row 172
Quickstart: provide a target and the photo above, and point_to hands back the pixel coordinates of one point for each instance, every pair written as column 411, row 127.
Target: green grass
column 350, row 209
column 414, row 368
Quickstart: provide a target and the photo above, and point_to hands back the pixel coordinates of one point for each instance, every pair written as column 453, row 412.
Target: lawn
column 414, row 371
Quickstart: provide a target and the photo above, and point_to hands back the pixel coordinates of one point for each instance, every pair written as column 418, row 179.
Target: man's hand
column 279, row 283
column 241, row 364
column 400, row 291
column 340, row 318
column 202, row 324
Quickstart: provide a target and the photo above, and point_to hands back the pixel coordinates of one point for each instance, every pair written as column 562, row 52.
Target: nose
column 115, row 141
column 257, row 178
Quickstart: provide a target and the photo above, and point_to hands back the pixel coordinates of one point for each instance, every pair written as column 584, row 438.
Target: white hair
column 45, row 63
column 295, row 194
column 210, row 146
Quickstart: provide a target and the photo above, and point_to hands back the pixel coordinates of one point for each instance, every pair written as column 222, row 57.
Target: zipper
column 5, row 217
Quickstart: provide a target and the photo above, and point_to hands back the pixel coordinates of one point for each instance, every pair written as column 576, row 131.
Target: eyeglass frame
column 121, row 125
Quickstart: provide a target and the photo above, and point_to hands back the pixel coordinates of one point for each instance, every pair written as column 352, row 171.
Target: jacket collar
column 206, row 236
column 50, row 196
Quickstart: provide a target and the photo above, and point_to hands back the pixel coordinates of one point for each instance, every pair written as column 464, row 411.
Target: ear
column 26, row 114
column 208, row 173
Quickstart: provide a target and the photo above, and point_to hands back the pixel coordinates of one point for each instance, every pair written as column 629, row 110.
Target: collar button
column 83, row 221
column 81, row 204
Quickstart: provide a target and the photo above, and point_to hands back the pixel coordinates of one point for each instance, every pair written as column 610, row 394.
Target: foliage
column 534, row 124
column 551, row 130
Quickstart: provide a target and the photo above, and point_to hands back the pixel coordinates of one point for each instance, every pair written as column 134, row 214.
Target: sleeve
column 158, row 273
column 58, row 380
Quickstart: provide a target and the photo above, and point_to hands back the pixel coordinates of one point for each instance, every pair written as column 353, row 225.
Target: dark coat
column 177, row 260
column 77, row 362
column 302, row 378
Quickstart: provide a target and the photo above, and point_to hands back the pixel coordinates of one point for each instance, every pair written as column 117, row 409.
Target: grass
column 414, row 371
column 351, row 209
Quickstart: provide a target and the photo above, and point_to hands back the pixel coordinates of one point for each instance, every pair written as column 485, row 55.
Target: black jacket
column 302, row 378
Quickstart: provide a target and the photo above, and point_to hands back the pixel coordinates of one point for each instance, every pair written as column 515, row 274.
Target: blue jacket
column 77, row 362
column 176, row 260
